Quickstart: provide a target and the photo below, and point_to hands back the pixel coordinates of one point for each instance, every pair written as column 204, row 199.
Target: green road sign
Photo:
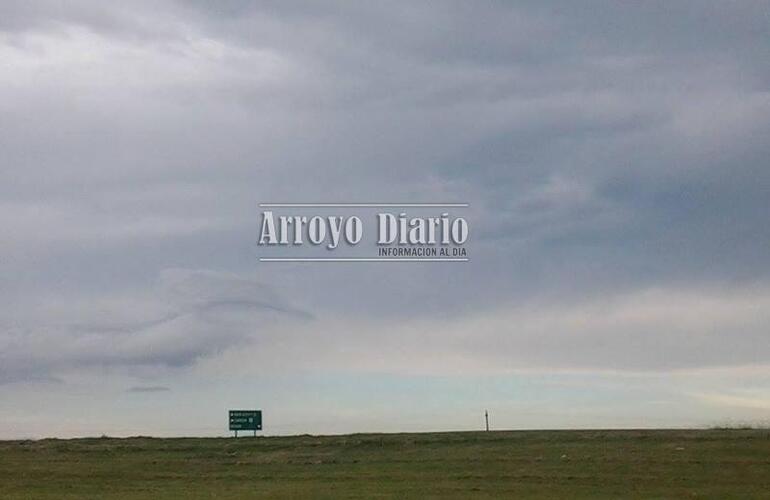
column 245, row 420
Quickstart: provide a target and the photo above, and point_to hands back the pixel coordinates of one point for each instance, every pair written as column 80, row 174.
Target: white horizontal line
column 362, row 205
column 360, row 259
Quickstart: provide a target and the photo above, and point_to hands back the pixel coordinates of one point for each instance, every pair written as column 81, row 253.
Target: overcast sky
column 614, row 156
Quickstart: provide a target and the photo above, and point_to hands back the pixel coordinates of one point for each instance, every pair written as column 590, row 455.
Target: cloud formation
column 613, row 156
column 148, row 388
column 191, row 315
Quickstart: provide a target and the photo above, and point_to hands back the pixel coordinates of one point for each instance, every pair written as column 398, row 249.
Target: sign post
column 245, row 420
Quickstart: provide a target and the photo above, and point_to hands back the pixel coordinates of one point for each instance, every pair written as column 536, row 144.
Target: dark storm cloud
column 604, row 148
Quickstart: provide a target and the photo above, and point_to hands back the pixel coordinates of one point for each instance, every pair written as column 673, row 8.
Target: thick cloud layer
column 614, row 157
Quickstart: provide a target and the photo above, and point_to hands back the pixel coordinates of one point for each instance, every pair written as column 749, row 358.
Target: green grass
column 718, row 464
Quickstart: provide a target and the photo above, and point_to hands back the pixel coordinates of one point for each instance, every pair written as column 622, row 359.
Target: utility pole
column 486, row 418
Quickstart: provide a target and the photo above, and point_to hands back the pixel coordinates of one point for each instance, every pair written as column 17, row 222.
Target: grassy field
column 508, row 464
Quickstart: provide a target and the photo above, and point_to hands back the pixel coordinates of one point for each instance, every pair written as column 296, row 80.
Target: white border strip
column 362, row 205
column 360, row 259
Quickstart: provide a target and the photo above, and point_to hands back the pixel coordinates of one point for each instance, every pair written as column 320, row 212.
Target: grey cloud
column 148, row 388
column 205, row 313
column 604, row 149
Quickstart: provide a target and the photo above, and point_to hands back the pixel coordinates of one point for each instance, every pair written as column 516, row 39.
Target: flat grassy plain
column 504, row 464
